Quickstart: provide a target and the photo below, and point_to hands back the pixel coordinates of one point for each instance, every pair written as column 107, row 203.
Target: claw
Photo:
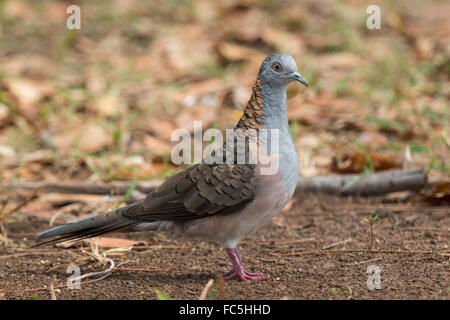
column 238, row 270
column 245, row 276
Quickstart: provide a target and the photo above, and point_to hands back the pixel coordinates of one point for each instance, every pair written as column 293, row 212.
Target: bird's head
column 278, row 70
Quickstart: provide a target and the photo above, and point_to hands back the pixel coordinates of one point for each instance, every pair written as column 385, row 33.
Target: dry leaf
column 137, row 164
column 102, row 242
column 157, row 146
column 109, row 104
column 16, row 9
column 356, row 162
column 28, row 93
column 62, row 199
column 440, row 195
column 93, row 138
column 4, row 113
column 160, row 127
column 185, row 119
column 107, row 242
column 234, row 52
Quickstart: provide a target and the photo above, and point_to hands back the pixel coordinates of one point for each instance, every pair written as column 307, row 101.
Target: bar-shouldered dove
column 221, row 202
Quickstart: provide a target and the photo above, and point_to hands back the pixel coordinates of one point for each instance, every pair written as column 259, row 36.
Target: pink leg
column 238, row 269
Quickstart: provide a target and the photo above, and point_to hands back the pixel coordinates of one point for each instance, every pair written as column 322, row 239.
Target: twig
column 337, row 243
column 371, row 184
column 221, row 289
column 23, row 203
column 28, row 253
column 139, row 269
column 300, row 253
column 52, row 292
column 84, row 188
column 427, row 229
column 103, row 274
column 206, row 289
column 281, row 241
column 365, row 261
column 4, row 204
column 350, row 292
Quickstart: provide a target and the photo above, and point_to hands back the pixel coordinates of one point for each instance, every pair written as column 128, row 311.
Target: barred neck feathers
column 266, row 108
column 253, row 112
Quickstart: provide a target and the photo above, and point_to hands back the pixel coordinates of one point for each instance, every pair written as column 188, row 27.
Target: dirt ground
column 286, row 250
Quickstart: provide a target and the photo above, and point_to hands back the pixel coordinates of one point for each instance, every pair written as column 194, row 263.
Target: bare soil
column 287, row 250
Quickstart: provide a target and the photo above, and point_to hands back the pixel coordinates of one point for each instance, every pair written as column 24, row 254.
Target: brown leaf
column 136, row 164
column 356, row 162
column 95, row 82
column 440, row 194
column 62, row 199
column 16, row 9
column 234, row 52
column 93, row 138
column 208, row 93
column 185, row 119
column 284, row 41
column 56, row 11
column 4, row 113
column 157, row 146
column 102, row 242
column 64, row 140
column 28, row 93
column 108, row 105
column 160, row 127
column 107, row 242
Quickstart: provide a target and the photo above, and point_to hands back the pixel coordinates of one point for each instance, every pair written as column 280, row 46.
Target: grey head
column 278, row 70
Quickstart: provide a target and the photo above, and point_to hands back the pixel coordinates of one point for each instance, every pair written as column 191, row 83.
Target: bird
column 219, row 202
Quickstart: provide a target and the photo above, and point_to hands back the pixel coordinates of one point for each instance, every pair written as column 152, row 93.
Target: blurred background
column 98, row 105
column 95, row 104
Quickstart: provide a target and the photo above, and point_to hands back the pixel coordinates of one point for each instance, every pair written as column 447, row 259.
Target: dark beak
column 298, row 77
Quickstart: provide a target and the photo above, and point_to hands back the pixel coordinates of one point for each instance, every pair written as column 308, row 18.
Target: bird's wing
column 199, row 191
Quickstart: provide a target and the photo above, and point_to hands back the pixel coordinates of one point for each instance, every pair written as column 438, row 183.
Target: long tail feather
column 86, row 228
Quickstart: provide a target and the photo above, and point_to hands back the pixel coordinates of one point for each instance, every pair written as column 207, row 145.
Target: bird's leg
column 238, row 268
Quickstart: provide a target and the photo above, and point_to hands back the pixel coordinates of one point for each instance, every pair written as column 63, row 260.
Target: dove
column 219, row 201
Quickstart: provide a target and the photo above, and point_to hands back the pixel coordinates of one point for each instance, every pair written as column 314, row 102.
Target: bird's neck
column 266, row 109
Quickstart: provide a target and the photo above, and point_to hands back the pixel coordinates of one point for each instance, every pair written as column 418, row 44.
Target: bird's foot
column 238, row 270
column 244, row 275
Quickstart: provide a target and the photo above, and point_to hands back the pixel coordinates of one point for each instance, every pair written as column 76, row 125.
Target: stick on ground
column 373, row 184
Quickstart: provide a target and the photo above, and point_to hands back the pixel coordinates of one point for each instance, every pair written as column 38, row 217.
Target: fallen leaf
column 93, row 138
column 440, row 194
column 137, row 164
column 108, row 105
column 16, row 9
column 161, row 128
column 284, row 41
column 4, row 113
column 102, row 242
column 107, row 242
column 185, row 119
column 356, row 162
column 28, row 93
column 234, row 52
column 207, row 93
column 62, row 199
column 157, row 146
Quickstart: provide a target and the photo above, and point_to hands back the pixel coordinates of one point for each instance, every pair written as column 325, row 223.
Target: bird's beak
column 298, row 77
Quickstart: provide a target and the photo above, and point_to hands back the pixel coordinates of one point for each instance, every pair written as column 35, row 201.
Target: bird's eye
column 277, row 67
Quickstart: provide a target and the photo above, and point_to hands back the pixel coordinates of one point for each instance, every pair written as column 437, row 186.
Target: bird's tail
column 88, row 227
